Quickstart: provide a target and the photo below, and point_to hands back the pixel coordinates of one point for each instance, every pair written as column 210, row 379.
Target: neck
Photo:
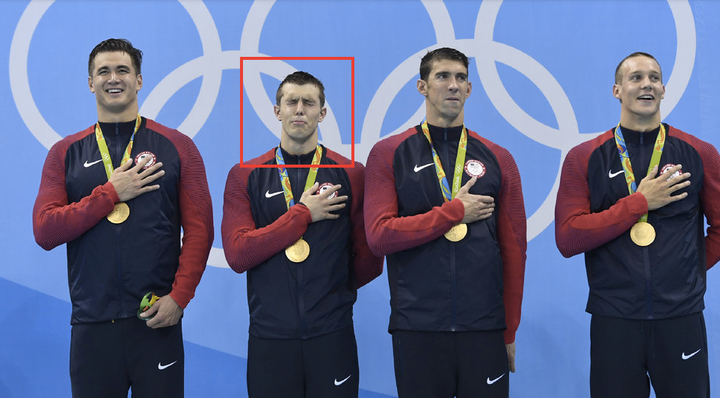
column 298, row 147
column 445, row 121
column 640, row 124
column 109, row 116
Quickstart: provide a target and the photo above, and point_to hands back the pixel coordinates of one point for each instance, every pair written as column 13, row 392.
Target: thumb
column 469, row 184
column 653, row 172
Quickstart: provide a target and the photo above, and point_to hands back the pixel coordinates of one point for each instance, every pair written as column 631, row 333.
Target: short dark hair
column 113, row 45
column 301, row 78
column 635, row 54
column 440, row 54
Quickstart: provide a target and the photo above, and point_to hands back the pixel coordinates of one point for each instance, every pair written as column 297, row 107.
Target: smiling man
column 299, row 234
column 119, row 193
column 645, row 250
column 445, row 206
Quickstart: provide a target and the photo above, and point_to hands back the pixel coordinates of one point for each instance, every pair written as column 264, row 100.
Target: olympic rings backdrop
column 542, row 73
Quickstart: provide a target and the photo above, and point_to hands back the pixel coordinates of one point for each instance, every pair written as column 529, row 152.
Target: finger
column 679, row 186
column 150, row 312
column 141, row 163
column 677, row 179
column 312, row 189
column 338, row 199
column 154, row 323
column 487, row 200
column 125, row 166
column 147, row 189
column 672, row 170
column 329, row 191
column 675, row 198
column 153, row 177
column 330, row 216
column 152, row 169
column 336, row 207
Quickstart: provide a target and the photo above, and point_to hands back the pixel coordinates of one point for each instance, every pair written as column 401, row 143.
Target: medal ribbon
column 285, row 181
column 625, row 159
column 102, row 145
column 459, row 164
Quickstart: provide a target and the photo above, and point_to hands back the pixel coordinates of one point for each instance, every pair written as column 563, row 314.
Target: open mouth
column 646, row 97
column 114, row 91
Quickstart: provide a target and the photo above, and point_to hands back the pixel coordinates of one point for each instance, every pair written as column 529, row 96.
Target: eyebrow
column 447, row 72
column 304, row 99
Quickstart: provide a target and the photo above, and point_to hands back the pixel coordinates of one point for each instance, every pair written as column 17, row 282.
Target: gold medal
column 642, row 233
column 298, row 252
column 120, row 213
column 456, row 233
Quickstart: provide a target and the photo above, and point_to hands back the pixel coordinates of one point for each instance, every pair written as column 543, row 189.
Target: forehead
column 447, row 65
column 112, row 59
column 305, row 91
column 640, row 64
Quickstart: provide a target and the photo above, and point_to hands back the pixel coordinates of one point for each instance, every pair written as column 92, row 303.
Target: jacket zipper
column 453, row 276
column 301, row 283
column 121, row 290
column 646, row 250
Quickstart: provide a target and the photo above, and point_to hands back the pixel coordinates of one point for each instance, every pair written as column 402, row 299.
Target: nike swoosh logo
column 491, row 382
column 337, row 383
column 270, row 195
column 163, row 367
column 88, row 164
column 686, row 357
column 615, row 174
column 422, row 167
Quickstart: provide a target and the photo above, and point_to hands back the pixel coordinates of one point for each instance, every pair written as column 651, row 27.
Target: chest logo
column 475, row 168
column 324, row 187
column 615, row 174
column 143, row 155
column 88, row 164
column 270, row 195
column 418, row 168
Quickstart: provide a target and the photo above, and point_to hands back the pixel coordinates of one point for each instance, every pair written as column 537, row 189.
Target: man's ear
column 276, row 109
column 422, row 87
column 616, row 91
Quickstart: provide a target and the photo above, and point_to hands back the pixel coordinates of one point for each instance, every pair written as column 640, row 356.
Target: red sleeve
column 386, row 232
column 366, row 265
column 512, row 238
column 55, row 221
column 577, row 230
column 196, row 219
column 245, row 245
column 708, row 195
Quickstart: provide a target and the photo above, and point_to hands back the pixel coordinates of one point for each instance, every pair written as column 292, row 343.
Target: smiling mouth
column 114, row 91
column 646, row 97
